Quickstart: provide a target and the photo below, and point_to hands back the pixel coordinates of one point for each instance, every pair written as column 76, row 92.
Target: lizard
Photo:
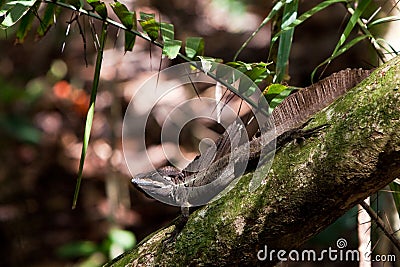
column 289, row 118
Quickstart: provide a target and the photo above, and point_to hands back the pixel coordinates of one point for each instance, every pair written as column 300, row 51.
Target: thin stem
column 90, row 113
column 381, row 224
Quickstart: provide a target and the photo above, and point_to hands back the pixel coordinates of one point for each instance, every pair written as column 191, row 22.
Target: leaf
column 383, row 20
column 340, row 46
column 77, row 249
column 25, row 24
column 339, row 52
column 257, row 74
column 285, row 41
column 122, row 237
column 19, row 128
column 246, row 89
column 48, row 19
column 222, row 72
column 149, row 25
column 361, row 7
column 276, row 94
column 273, row 90
column 76, row 3
column 167, row 31
column 128, row 19
column 194, row 47
column 99, row 7
column 270, row 15
column 385, row 46
column 306, row 15
column 255, row 71
column 130, row 39
column 171, row 48
column 90, row 113
column 13, row 11
column 240, row 66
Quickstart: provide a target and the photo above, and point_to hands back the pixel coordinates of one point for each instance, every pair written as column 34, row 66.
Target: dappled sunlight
column 45, row 96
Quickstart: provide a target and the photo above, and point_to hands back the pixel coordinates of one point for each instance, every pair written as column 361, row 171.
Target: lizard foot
column 179, row 224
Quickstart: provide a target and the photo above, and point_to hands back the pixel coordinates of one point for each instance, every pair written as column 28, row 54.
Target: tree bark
column 309, row 186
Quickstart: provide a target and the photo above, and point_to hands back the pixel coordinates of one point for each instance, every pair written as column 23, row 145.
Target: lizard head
column 159, row 183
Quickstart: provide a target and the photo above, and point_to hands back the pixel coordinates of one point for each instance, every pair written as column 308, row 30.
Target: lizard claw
column 170, row 237
column 180, row 223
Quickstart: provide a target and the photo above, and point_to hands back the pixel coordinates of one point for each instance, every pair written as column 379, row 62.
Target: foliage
column 94, row 254
column 128, row 19
column 90, row 113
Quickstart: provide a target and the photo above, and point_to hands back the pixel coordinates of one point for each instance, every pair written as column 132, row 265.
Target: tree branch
column 309, row 186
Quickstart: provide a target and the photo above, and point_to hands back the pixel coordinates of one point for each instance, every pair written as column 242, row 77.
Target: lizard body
column 289, row 118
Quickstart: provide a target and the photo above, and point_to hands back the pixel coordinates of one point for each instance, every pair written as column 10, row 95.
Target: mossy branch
column 309, row 186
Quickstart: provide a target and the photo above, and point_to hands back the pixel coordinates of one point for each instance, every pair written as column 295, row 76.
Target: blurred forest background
column 44, row 96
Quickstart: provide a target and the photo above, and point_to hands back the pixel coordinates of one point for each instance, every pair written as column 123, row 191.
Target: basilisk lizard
column 289, row 119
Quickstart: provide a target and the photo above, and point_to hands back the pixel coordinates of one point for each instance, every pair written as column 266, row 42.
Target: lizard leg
column 179, row 224
column 302, row 134
column 297, row 134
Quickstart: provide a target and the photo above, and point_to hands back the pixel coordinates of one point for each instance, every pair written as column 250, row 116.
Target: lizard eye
column 168, row 178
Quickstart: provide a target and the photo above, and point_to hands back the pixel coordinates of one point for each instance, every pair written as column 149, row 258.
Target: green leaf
column 25, row 24
column 128, row 19
column 77, row 249
column 339, row 52
column 257, row 74
column 167, row 31
column 99, row 7
column 194, row 47
column 246, row 89
column 383, row 20
column 255, row 71
column 90, row 113
column 48, row 19
column 306, row 15
column 171, row 48
column 130, row 39
column 285, row 41
column 123, row 238
column 270, row 15
column 240, row 65
column 19, row 128
column 273, row 90
column 384, row 45
column 361, row 7
column 276, row 93
column 76, row 3
column 340, row 46
column 149, row 25
column 13, row 11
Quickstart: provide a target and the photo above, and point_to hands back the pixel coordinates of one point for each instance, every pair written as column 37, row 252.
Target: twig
column 381, row 224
